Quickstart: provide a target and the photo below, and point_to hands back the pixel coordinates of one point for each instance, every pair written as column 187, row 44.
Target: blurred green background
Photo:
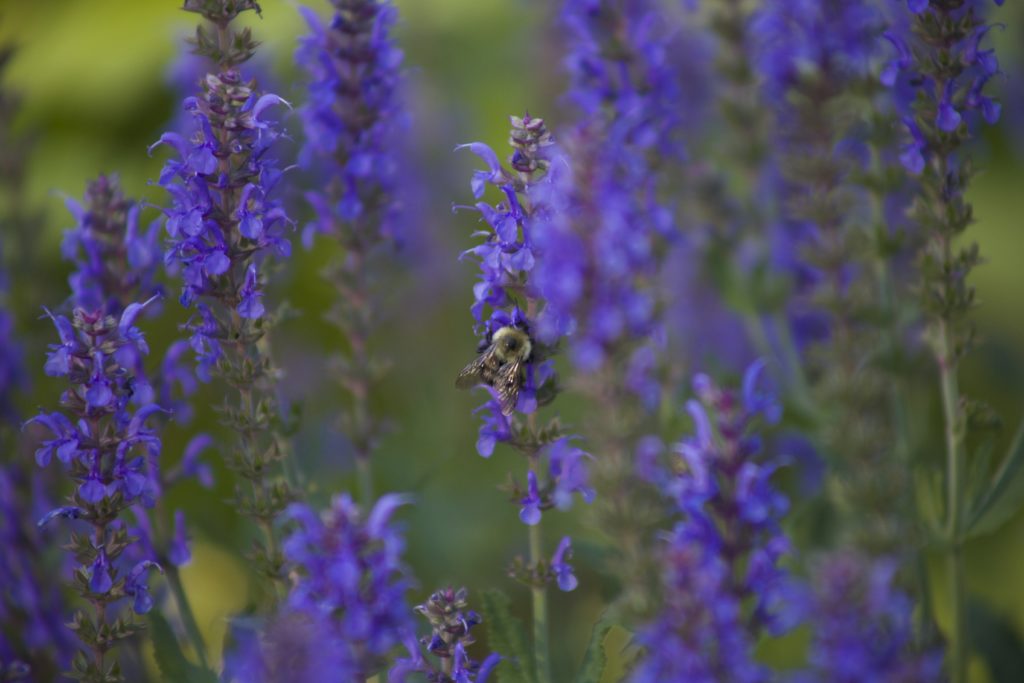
column 94, row 78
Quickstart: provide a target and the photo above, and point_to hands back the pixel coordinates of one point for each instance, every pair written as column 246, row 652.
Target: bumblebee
column 501, row 365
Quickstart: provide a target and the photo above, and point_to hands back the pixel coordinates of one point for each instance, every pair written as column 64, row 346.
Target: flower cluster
column 568, row 474
column 603, row 255
column 939, row 73
column 939, row 77
column 862, row 626
column 451, row 623
column 223, row 218
column 531, row 197
column 115, row 265
column 351, row 581
column 507, row 297
column 723, row 585
column 351, row 121
column 223, row 224
column 116, row 261
column 834, row 40
column 532, row 202
column 107, row 449
column 840, row 242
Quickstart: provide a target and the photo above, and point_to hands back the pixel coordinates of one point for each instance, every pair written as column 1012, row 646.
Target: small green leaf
column 1004, row 496
column 508, row 637
column 595, row 658
column 169, row 657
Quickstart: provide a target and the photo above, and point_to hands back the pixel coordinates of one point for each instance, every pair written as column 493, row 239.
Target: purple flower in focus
column 451, row 633
column 102, row 444
column 506, row 255
column 207, row 246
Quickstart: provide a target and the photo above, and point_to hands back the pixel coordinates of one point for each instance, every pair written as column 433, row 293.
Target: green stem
column 364, row 476
column 959, row 652
column 188, row 617
column 793, row 362
column 541, row 653
column 955, row 471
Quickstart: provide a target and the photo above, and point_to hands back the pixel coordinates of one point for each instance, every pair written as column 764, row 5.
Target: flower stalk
column 224, row 224
column 507, row 298
column 354, row 122
column 939, row 56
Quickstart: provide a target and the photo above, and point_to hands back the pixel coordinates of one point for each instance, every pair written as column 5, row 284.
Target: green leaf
column 994, row 637
column 508, row 638
column 595, row 658
column 1004, row 496
column 169, row 657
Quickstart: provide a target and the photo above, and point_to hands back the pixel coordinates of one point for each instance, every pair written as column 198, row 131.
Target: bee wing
column 507, row 384
column 472, row 374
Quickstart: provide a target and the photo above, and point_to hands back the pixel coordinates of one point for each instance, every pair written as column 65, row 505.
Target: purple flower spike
column 726, row 499
column 972, row 67
column 451, row 625
column 350, row 571
column 109, row 452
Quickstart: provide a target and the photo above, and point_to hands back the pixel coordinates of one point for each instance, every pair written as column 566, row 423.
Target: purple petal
column 62, row 512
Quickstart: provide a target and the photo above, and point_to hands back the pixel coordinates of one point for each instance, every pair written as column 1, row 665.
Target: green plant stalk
column 955, row 471
column 364, row 482
column 541, row 651
column 259, row 487
column 188, row 617
column 897, row 403
column 538, row 589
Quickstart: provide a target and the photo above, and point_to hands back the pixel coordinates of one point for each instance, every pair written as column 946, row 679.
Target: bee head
column 511, row 344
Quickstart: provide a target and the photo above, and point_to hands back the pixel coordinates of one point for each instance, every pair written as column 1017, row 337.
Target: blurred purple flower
column 560, row 565
column 351, row 579
column 862, row 626
column 353, row 121
column 935, row 100
column 723, row 585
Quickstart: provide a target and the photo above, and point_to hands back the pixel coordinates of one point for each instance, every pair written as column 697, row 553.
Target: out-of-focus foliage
column 96, row 87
